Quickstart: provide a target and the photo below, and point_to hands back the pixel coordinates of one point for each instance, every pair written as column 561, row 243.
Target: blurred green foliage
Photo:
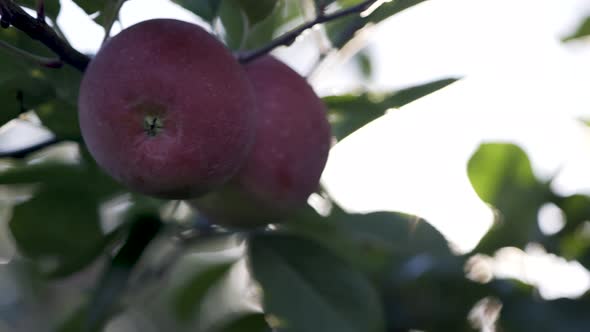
column 381, row 271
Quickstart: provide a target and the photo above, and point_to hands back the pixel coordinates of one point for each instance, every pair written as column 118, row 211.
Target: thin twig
column 13, row 14
column 24, row 152
column 40, row 60
column 289, row 37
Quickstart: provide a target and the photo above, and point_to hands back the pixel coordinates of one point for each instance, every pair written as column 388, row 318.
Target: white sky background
column 520, row 84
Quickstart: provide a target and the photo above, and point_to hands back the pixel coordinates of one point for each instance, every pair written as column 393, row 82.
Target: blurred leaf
column 363, row 61
column 253, row 322
column 77, row 321
column 265, row 30
column 22, row 93
column 59, row 229
column 407, row 235
column 502, row 176
column 25, row 86
column 90, row 6
column 88, row 177
column 66, row 82
column 61, row 118
column 52, row 7
column 366, row 255
column 256, row 10
column 574, row 238
column 582, row 31
column 51, row 174
column 252, row 23
column 113, row 282
column 309, row 289
column 188, row 297
column 206, row 9
column 576, row 209
column 377, row 242
column 434, row 296
column 563, row 315
column 348, row 113
column 235, row 22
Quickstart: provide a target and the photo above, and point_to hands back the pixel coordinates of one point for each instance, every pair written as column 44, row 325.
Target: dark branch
column 41, row 10
column 289, row 37
column 24, row 152
column 39, row 30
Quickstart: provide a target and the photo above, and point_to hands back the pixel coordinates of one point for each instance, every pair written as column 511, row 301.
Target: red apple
column 166, row 109
column 291, row 147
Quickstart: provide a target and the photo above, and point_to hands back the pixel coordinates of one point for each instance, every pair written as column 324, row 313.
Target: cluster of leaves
column 341, row 272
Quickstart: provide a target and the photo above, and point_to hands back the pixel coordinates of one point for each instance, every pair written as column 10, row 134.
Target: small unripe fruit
column 291, row 147
column 166, row 109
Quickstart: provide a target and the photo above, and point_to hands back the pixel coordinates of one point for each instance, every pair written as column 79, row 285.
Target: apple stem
column 289, row 37
column 13, row 14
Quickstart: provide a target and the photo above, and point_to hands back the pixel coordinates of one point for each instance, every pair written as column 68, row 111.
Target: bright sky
column 520, row 84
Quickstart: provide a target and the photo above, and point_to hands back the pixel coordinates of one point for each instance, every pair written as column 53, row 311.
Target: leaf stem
column 289, row 37
column 41, row 60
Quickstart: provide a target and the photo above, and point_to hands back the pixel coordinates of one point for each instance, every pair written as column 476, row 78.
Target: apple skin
column 166, row 110
column 292, row 142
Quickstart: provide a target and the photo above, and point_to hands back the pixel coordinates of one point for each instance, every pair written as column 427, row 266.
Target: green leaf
column 59, row 229
column 373, row 243
column 90, row 6
column 23, row 93
column 309, row 289
column 363, row 61
column 187, row 297
column 364, row 254
column 573, row 238
column 256, row 10
column 86, row 176
column 206, row 9
column 253, row 322
column 576, row 209
column 52, row 7
column 113, row 282
column 502, row 176
column 348, row 113
column 563, row 315
column 582, row 31
column 25, row 86
column 61, row 118
column 265, row 30
column 235, row 22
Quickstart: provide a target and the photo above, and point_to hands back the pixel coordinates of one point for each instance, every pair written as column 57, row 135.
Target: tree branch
column 289, row 37
column 41, row 10
column 39, row 30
